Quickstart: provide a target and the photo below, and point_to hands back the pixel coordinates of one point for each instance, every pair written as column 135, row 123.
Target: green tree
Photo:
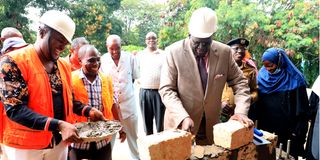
column 174, row 26
column 94, row 20
column 242, row 19
column 294, row 26
column 139, row 17
column 12, row 14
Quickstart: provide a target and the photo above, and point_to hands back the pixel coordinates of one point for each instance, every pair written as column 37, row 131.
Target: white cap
column 59, row 22
column 12, row 42
column 203, row 23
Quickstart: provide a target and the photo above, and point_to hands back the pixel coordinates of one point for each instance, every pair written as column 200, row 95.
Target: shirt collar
column 83, row 76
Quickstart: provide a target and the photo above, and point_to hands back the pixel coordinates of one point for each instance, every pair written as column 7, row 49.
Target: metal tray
column 97, row 131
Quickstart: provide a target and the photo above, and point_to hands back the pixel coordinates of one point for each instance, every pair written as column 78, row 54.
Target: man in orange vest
column 37, row 95
column 95, row 89
column 72, row 59
column 12, row 40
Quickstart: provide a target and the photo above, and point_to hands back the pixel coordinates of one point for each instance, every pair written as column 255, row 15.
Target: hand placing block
column 166, row 145
column 232, row 134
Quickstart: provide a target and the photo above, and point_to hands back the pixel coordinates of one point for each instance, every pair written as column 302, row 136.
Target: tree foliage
column 139, row 17
column 289, row 24
column 295, row 27
column 94, row 20
column 12, row 14
column 174, row 23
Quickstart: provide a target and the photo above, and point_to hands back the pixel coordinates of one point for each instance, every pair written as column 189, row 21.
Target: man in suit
column 193, row 76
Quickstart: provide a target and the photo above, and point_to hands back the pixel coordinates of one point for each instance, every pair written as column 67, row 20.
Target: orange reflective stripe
column 46, row 127
column 83, row 110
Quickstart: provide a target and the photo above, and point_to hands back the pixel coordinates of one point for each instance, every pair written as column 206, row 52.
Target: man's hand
column 68, row 132
column 96, row 115
column 243, row 119
column 122, row 135
column 187, row 124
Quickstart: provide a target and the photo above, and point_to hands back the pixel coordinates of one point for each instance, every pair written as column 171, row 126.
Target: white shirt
column 122, row 77
column 150, row 64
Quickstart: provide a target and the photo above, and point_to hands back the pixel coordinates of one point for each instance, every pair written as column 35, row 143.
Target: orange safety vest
column 81, row 94
column 40, row 100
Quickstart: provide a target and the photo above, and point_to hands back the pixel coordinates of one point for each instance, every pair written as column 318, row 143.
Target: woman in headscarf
column 283, row 101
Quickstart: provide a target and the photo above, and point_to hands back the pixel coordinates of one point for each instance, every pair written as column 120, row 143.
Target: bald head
column 9, row 32
column 112, row 39
column 151, row 34
column 113, row 45
column 87, row 48
column 151, row 41
column 78, row 42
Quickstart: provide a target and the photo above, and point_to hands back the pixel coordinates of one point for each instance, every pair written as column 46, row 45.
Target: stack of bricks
column 234, row 141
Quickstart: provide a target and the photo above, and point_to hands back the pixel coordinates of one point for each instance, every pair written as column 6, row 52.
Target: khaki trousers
column 58, row 152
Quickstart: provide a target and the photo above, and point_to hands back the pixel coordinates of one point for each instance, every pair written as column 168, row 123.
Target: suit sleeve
column 169, row 91
column 239, row 84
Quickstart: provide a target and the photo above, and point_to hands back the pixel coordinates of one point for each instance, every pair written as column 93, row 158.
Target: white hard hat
column 59, row 22
column 203, row 23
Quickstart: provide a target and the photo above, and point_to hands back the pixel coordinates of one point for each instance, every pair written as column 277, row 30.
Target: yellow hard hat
column 59, row 22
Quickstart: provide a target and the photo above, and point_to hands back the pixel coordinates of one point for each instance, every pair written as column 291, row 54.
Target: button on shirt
column 122, row 78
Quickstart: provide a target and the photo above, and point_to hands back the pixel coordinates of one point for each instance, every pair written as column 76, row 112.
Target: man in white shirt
column 123, row 69
column 150, row 63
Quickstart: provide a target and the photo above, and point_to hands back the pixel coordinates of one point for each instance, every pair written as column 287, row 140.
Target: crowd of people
column 192, row 85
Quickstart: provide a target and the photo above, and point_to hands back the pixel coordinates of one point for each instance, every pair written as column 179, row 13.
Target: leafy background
column 289, row 24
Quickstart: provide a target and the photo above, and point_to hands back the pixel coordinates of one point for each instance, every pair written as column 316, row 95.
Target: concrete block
column 232, row 135
column 166, row 145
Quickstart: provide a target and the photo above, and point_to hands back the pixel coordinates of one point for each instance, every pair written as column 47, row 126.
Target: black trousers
column 93, row 153
column 151, row 107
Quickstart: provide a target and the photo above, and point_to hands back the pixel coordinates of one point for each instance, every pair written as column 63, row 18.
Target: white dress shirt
column 122, row 78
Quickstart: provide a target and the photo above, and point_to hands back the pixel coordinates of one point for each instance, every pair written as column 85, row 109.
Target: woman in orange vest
column 94, row 89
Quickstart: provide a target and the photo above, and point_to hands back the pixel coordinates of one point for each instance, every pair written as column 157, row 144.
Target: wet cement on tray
column 98, row 129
